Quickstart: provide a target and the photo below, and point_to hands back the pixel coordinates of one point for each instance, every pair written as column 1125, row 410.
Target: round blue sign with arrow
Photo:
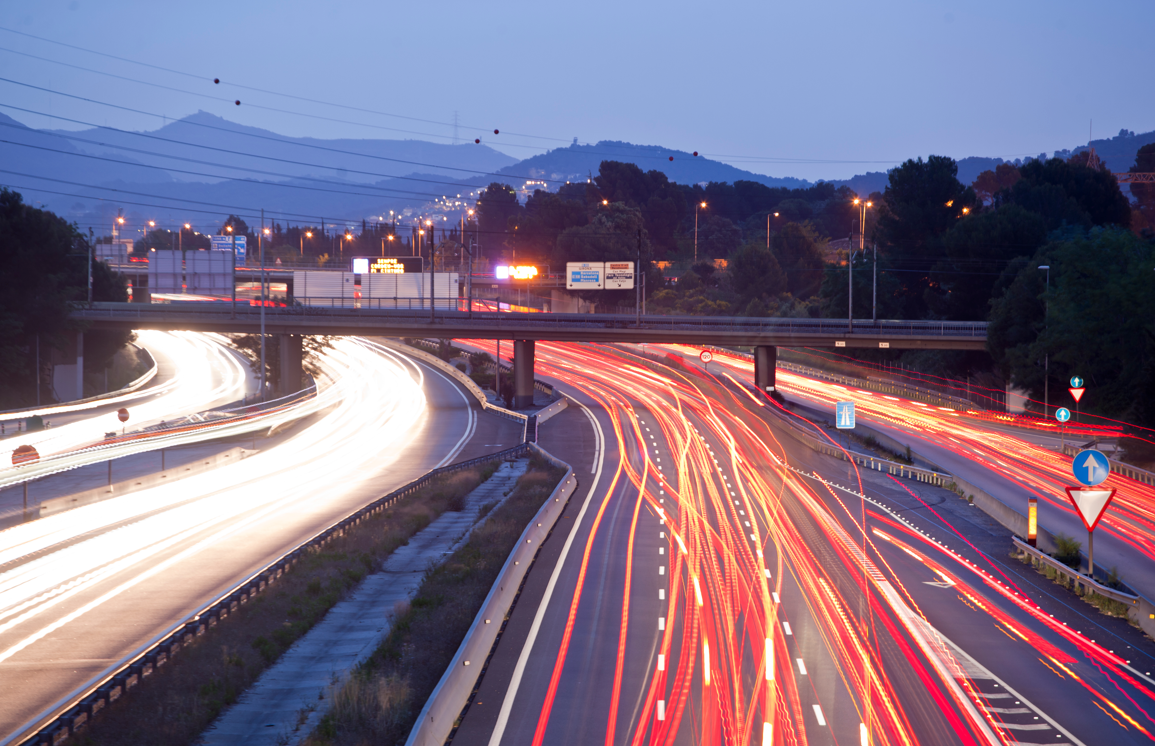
column 1090, row 467
column 1062, row 414
column 1076, row 382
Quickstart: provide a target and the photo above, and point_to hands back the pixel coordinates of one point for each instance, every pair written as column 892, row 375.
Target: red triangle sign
column 1090, row 503
column 1077, row 393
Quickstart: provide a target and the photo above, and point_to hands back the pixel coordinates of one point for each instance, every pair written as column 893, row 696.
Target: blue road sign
column 226, row 243
column 1090, row 467
column 1062, row 414
column 844, row 415
column 1076, row 382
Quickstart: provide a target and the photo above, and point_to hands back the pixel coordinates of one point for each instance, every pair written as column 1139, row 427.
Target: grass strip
column 379, row 703
column 184, row 697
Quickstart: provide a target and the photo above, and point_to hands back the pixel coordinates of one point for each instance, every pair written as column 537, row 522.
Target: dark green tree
column 1144, row 193
column 1068, row 192
column 755, row 274
column 799, row 253
column 495, row 207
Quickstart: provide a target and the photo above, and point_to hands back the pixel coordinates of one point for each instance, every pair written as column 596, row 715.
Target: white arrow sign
column 1090, row 503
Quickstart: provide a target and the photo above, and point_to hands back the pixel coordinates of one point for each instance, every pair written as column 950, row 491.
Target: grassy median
column 381, row 700
column 177, row 703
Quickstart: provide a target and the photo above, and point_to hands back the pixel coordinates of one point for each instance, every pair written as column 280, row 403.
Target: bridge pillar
column 765, row 361
column 522, row 373
column 291, row 355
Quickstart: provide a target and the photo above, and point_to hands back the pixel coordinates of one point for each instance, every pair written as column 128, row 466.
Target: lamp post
column 1047, row 355
column 306, row 234
column 261, row 248
column 432, row 295
column 862, row 205
column 699, row 206
column 768, row 228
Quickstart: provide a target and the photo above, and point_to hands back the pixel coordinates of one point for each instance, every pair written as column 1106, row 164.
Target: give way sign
column 1090, row 503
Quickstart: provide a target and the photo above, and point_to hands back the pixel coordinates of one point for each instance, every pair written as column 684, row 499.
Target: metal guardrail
column 86, row 403
column 916, row 393
column 74, row 714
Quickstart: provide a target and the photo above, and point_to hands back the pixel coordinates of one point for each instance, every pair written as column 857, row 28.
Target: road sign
column 585, row 275
column 122, row 414
column 1090, row 504
column 1090, row 467
column 1077, row 393
column 619, row 275
column 227, row 243
column 1062, row 414
column 844, row 415
column 706, row 356
column 25, row 454
column 1076, row 382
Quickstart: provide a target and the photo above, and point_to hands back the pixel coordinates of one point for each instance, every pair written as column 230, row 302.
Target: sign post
column 1076, row 393
column 844, row 418
column 706, row 357
column 1091, row 469
column 1062, row 414
column 25, row 454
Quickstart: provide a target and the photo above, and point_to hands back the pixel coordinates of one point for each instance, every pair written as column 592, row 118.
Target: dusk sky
column 813, row 90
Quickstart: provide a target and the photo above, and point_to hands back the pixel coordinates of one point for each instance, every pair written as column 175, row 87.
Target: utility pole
column 638, row 283
column 1047, row 355
column 90, row 240
column 261, row 249
column 850, row 285
column 469, row 280
column 874, row 301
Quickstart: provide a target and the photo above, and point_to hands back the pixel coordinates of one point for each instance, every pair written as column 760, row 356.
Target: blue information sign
column 226, row 243
column 844, row 415
column 1076, row 382
column 1090, row 467
column 1062, row 414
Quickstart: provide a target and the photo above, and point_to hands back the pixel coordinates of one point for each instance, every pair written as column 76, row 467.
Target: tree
column 1101, row 311
column 990, row 183
column 974, row 252
column 611, row 234
column 1066, row 192
column 1145, row 193
column 496, row 205
column 717, row 237
column 755, row 274
column 42, row 272
column 799, row 254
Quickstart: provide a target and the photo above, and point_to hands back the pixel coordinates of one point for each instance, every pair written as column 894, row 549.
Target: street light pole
column 1047, row 355
column 90, row 240
column 261, row 250
column 698, row 207
column 850, row 287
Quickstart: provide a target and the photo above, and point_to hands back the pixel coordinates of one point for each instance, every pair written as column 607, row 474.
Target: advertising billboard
column 585, row 275
column 619, row 276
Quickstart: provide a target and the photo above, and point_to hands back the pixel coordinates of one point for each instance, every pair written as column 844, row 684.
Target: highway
column 83, row 590
column 961, row 646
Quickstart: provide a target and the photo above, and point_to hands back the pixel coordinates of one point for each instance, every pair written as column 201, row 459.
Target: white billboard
column 619, row 276
column 585, row 275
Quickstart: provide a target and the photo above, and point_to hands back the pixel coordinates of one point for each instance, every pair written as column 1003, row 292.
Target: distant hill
column 361, row 161
column 576, row 163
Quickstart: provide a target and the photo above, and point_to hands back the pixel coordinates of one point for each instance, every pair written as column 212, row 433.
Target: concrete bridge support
column 291, row 356
column 522, row 373
column 765, row 360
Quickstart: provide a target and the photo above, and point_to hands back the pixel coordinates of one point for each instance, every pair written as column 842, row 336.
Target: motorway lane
column 73, row 605
column 1007, row 466
column 1067, row 687
column 201, row 371
column 589, row 689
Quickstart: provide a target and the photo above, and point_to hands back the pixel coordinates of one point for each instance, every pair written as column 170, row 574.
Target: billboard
column 584, row 275
column 387, row 265
column 619, row 276
column 225, row 243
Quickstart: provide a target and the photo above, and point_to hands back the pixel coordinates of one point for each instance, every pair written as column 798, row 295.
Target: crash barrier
column 68, row 502
column 444, row 708
column 75, row 713
column 1140, row 610
column 538, row 385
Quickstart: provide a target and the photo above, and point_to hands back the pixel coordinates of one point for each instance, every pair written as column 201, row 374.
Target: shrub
column 1067, row 551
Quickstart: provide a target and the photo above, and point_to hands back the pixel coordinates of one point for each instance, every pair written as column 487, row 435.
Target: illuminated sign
column 524, row 272
column 1032, row 520
column 387, row 265
column 619, row 276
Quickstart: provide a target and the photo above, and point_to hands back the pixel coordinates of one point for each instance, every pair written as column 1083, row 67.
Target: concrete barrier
column 443, row 708
column 68, row 502
column 552, row 410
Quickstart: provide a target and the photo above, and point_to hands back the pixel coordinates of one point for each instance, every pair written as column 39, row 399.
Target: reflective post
column 1032, row 520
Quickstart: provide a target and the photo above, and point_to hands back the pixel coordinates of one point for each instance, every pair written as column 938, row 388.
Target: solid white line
column 527, row 648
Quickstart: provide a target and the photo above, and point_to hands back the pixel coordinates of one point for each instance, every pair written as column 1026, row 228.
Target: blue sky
column 813, row 90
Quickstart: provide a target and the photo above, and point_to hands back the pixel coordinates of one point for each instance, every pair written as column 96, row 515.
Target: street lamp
column 306, row 234
column 1046, row 355
column 768, row 228
column 700, row 206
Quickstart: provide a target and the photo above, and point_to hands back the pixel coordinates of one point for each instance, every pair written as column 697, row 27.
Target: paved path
column 287, row 702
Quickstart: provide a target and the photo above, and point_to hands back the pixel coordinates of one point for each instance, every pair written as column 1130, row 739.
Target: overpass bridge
column 765, row 335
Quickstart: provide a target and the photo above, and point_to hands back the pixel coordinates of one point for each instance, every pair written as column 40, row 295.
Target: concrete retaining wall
column 444, row 706
column 68, row 502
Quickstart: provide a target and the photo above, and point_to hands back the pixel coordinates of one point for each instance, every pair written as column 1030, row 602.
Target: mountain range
column 201, row 168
